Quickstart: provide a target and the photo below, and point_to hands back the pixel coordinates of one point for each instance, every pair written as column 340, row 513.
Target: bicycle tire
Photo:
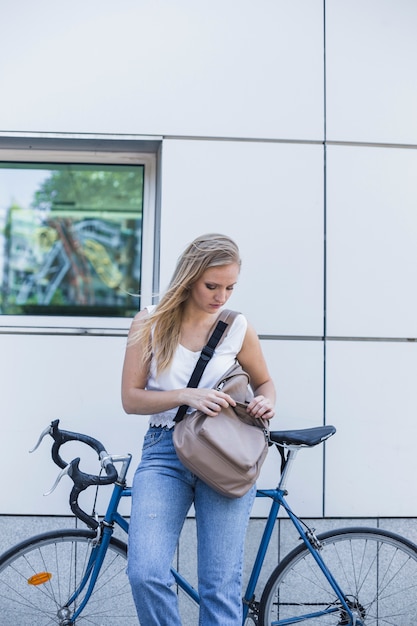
column 376, row 570
column 38, row 576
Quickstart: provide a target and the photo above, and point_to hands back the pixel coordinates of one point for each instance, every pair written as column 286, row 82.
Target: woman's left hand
column 260, row 406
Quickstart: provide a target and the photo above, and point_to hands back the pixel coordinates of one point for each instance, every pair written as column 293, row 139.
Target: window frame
column 116, row 152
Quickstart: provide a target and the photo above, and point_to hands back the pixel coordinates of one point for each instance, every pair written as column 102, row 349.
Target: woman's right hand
column 209, row 401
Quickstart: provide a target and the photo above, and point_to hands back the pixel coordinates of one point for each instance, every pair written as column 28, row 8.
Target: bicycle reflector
column 39, row 579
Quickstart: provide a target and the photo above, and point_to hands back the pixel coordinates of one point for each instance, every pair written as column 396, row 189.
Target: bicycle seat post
column 292, row 453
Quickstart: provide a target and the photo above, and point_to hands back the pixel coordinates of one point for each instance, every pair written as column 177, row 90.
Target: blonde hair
column 164, row 324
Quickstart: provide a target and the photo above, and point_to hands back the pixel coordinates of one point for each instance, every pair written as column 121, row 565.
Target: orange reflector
column 39, row 579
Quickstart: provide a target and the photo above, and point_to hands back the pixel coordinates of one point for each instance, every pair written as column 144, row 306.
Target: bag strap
column 226, row 317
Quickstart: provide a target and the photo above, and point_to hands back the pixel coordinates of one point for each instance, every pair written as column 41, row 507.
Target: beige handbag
column 226, row 451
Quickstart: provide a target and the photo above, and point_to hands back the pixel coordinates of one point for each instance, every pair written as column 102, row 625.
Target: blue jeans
column 162, row 493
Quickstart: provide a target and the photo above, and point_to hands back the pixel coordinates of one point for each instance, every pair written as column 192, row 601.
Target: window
column 72, row 237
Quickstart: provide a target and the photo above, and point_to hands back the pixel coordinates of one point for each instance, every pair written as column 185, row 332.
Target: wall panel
column 371, row 235
column 71, row 378
column 371, row 50
column 245, row 69
column 269, row 197
column 371, row 398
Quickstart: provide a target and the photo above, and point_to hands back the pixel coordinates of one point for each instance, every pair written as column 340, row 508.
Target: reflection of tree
column 79, row 245
column 90, row 190
column 7, row 254
column 78, row 272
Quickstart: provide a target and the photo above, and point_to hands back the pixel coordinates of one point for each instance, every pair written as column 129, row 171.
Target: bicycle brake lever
column 62, row 473
column 43, row 434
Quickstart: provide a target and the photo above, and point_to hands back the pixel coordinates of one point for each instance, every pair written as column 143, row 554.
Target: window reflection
column 70, row 240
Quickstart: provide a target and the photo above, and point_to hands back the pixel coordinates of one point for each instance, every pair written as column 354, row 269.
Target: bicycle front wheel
column 375, row 569
column 39, row 575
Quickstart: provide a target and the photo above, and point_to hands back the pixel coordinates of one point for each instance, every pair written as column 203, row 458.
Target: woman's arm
column 136, row 399
column 253, row 362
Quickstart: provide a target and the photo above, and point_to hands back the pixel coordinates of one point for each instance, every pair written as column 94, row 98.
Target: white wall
column 210, row 68
column 250, row 147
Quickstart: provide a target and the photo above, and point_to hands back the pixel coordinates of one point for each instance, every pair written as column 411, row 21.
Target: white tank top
column 184, row 362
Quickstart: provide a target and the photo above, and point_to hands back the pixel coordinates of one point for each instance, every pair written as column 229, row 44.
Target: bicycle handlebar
column 293, row 439
column 80, row 479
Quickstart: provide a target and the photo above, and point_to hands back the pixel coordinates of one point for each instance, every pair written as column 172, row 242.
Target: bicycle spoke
column 58, row 561
column 376, row 571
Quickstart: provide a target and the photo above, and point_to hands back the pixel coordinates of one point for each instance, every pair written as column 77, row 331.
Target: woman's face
column 213, row 289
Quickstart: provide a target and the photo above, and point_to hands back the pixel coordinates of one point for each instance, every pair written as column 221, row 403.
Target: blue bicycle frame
column 277, row 497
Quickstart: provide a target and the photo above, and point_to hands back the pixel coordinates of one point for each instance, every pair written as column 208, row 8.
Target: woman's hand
column 260, row 406
column 253, row 362
column 209, row 401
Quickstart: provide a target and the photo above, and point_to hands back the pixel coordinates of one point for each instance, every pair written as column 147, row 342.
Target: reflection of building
column 68, row 261
column 19, row 255
column 2, row 249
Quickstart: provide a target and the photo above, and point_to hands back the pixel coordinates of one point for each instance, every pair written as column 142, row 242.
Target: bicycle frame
column 278, row 500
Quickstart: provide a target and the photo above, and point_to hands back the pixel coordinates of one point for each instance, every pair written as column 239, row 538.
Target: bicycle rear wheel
column 39, row 575
column 376, row 570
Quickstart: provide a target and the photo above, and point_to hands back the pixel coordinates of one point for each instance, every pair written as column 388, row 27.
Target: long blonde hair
column 164, row 324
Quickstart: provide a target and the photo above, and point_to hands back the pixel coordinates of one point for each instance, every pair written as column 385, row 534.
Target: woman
column 163, row 347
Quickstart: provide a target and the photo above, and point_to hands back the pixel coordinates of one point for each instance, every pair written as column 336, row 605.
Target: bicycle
column 345, row 577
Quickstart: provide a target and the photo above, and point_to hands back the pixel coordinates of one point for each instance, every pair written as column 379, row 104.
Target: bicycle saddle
column 304, row 437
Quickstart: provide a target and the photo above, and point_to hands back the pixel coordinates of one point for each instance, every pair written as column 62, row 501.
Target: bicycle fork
column 98, row 552
column 89, row 578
